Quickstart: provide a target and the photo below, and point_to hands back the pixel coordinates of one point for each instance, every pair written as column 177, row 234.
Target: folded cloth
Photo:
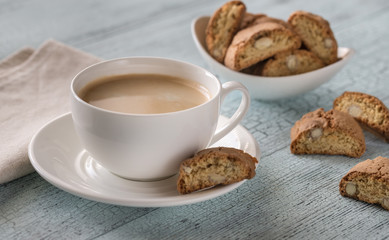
column 34, row 88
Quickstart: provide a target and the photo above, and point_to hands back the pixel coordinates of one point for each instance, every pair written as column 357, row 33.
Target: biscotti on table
column 339, row 131
column 368, row 181
column 255, row 43
column 368, row 110
column 331, row 133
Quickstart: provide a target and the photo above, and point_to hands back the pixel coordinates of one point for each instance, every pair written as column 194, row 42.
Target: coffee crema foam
column 144, row 93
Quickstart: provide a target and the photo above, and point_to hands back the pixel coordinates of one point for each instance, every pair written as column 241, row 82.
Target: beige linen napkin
column 34, row 88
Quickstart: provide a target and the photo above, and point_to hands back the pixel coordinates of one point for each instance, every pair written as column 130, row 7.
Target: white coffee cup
column 149, row 147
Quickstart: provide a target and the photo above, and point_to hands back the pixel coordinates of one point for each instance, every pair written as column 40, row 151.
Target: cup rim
column 78, row 99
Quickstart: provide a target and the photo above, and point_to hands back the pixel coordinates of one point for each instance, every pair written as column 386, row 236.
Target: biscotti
column 257, row 43
column 249, row 19
column 265, row 19
column 368, row 181
column 332, row 132
column 222, row 26
column 316, row 35
column 245, row 41
column 368, row 110
column 215, row 166
column 291, row 63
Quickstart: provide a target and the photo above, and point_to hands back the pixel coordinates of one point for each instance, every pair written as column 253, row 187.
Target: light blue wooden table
column 293, row 197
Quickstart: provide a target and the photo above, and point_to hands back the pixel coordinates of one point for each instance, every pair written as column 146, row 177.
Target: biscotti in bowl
column 265, row 44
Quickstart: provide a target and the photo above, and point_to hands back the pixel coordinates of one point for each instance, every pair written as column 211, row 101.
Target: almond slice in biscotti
column 222, row 27
column 215, row 166
column 367, row 110
column 259, row 42
column 368, row 181
column 290, row 63
column 316, row 34
column 332, row 133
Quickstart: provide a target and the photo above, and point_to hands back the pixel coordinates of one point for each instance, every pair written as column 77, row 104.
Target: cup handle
column 239, row 113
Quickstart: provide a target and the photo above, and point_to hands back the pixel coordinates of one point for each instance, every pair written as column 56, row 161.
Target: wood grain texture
column 292, row 197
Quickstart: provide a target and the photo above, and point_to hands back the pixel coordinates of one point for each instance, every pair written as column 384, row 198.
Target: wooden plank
column 291, row 197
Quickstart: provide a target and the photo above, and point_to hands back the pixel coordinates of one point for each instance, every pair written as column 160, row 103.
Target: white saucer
column 57, row 155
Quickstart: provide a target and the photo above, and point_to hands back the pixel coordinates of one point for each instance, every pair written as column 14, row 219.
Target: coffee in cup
column 144, row 93
column 150, row 145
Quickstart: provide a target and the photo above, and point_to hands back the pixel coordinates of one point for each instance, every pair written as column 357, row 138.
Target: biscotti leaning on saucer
column 259, row 42
column 331, row 133
column 222, row 26
column 215, row 166
column 368, row 181
column 316, row 35
column 368, row 110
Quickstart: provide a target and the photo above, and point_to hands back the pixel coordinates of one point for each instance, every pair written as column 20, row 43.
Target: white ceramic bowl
column 268, row 88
